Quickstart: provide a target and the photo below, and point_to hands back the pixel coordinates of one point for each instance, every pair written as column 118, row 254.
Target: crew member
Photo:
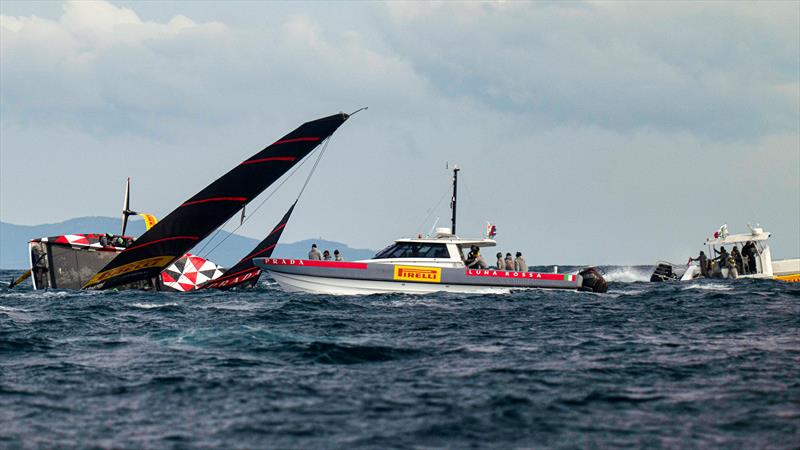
column 337, row 256
column 750, row 252
column 519, row 263
column 509, row 262
column 501, row 263
column 105, row 240
column 314, row 254
column 326, row 255
column 703, row 259
column 722, row 258
column 475, row 260
column 39, row 260
column 737, row 257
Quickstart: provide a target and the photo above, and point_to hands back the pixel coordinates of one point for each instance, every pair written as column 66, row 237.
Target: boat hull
column 354, row 278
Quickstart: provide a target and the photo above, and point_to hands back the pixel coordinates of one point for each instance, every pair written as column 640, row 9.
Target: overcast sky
column 588, row 132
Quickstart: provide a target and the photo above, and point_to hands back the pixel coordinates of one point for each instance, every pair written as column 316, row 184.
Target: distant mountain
column 14, row 238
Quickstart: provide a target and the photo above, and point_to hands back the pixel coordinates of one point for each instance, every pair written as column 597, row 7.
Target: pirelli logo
column 158, row 261
column 418, row 274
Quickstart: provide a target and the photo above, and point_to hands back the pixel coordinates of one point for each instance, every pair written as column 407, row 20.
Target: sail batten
column 200, row 215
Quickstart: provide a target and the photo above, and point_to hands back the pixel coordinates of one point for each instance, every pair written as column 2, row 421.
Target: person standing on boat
column 722, row 258
column 326, row 255
column 703, row 259
column 519, row 263
column 38, row 257
column 501, row 263
column 737, row 258
column 314, row 254
column 749, row 252
column 337, row 256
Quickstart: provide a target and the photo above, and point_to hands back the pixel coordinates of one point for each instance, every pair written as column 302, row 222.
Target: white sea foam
column 708, row 287
column 10, row 309
column 152, row 305
column 627, row 274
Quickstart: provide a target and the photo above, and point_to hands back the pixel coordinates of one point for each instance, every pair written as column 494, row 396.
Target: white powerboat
column 759, row 264
column 420, row 265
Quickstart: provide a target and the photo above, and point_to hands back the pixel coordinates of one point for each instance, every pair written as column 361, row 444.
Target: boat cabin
column 759, row 238
column 442, row 250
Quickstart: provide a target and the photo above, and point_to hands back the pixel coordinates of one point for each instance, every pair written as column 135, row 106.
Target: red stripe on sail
column 216, row 199
column 303, row 139
column 271, row 158
column 278, row 228
column 173, row 238
column 258, row 252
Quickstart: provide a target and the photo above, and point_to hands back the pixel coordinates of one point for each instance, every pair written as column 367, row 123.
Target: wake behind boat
column 420, row 265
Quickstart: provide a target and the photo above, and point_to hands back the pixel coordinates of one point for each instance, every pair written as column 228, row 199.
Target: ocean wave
column 333, row 353
column 627, row 274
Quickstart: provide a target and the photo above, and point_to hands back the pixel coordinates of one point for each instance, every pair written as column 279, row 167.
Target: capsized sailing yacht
column 420, row 265
column 83, row 261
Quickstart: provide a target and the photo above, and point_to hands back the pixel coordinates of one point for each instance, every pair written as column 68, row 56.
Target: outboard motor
column 663, row 272
column 593, row 281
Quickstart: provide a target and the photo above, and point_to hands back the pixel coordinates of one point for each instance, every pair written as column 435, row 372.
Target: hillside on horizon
column 14, row 238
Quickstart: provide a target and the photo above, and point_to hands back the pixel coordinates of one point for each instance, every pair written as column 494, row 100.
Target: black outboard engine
column 664, row 272
column 593, row 281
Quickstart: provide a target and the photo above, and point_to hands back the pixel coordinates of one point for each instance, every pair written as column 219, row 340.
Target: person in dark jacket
column 475, row 260
column 737, row 258
column 722, row 258
column 703, row 260
column 326, row 255
column 337, row 256
column 749, row 252
column 39, row 261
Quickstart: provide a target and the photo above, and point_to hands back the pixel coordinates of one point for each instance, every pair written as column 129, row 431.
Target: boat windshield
column 413, row 250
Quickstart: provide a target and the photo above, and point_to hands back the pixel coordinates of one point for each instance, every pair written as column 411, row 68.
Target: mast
column 454, row 199
column 126, row 206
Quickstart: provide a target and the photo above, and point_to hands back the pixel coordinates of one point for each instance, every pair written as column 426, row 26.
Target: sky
column 587, row 132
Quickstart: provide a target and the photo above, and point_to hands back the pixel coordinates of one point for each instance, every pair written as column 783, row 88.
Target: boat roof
column 450, row 240
column 756, row 235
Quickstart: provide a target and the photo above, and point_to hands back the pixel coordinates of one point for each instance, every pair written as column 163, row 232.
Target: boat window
column 413, row 250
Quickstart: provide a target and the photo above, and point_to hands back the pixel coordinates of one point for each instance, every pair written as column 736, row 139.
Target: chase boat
column 420, row 265
column 762, row 267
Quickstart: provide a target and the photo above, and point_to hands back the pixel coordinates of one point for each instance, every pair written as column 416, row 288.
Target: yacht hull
column 355, row 278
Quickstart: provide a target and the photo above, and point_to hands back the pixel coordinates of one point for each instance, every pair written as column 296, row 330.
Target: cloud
column 605, row 127
column 696, row 67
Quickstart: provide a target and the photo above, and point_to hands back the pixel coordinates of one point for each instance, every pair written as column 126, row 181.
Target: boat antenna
column 454, row 199
column 126, row 206
column 433, row 228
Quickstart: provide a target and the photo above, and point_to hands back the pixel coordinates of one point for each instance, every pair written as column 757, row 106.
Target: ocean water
column 703, row 364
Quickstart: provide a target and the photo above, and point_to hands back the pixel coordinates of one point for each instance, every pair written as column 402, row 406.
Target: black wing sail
column 197, row 217
column 245, row 273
